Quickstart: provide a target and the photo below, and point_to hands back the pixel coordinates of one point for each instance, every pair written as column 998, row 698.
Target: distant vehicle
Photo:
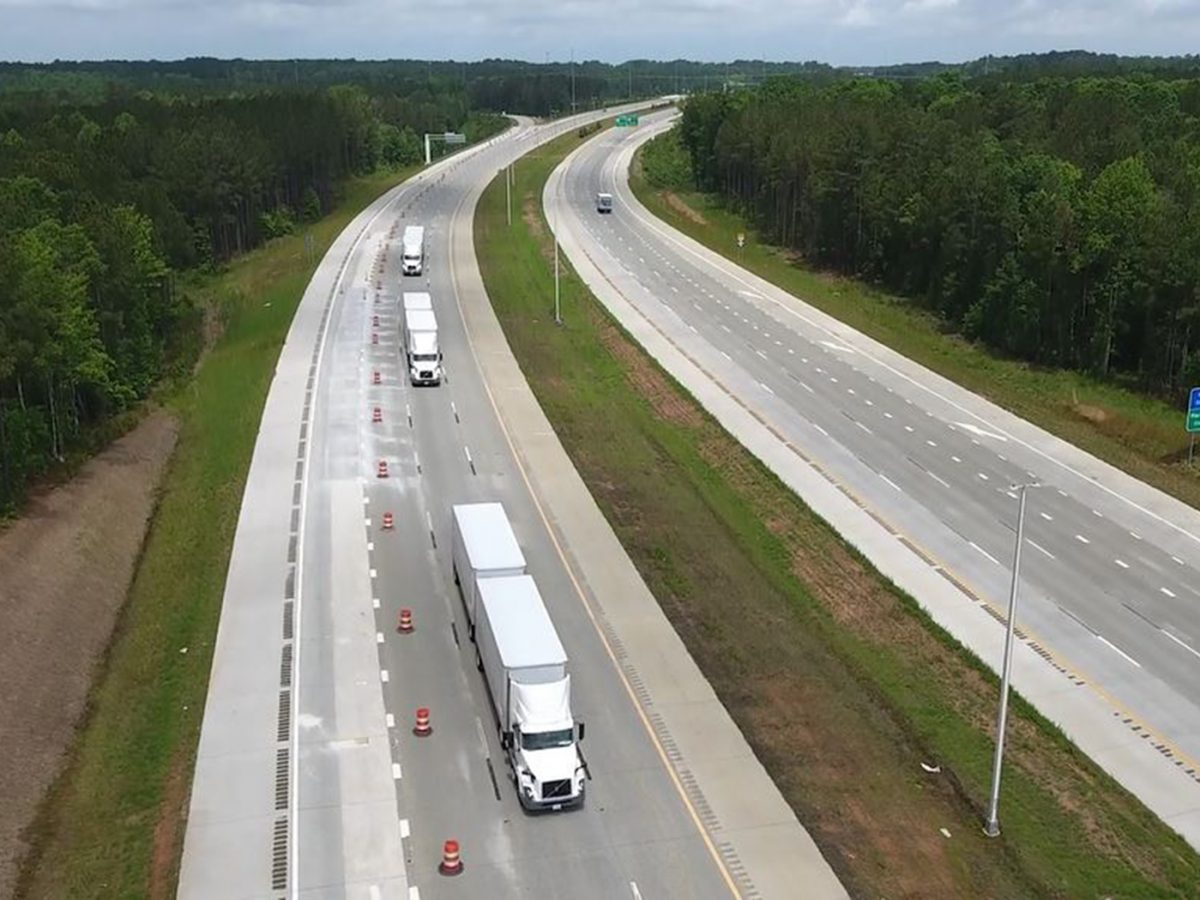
column 413, row 244
column 604, row 203
column 417, row 300
column 525, row 668
column 421, row 349
column 483, row 546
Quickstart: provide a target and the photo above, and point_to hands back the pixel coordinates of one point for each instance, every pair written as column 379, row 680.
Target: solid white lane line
column 1178, row 560
column 1167, row 591
column 1082, row 539
column 1118, row 650
column 1121, row 563
column 820, row 429
column 1038, row 546
column 863, row 427
column 889, row 481
column 984, row 552
column 942, row 481
column 633, row 889
column 1186, row 646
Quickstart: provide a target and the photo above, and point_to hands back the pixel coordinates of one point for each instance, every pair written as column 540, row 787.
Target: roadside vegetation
column 842, row 686
column 113, row 824
column 1044, row 260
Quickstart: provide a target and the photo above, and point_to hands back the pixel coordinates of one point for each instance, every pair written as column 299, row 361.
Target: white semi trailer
column 482, row 546
column 525, row 667
column 412, row 261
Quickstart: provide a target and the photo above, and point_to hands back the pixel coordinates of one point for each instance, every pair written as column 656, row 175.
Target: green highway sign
column 1193, row 414
column 630, row 119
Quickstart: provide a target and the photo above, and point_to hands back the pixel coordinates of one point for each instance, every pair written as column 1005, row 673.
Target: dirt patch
column 65, row 568
column 169, row 829
column 1092, row 414
column 647, row 380
column 532, row 217
column 679, row 205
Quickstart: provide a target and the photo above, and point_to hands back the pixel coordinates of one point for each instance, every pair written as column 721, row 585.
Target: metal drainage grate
column 285, row 716
column 285, row 666
column 282, row 769
column 289, row 617
column 279, row 855
column 289, row 584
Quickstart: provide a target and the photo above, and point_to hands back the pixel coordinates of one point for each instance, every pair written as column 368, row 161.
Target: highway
column 1110, row 568
column 361, row 806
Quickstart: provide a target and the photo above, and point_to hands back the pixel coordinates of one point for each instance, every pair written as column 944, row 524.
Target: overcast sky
column 842, row 32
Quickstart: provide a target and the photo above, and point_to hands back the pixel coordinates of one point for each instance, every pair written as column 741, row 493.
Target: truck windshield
column 545, row 740
column 424, row 357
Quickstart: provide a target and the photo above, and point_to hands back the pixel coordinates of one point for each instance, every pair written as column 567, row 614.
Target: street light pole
column 992, row 826
column 554, row 228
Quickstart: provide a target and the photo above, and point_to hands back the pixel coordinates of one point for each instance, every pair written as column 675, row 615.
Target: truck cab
column 544, row 753
column 604, row 203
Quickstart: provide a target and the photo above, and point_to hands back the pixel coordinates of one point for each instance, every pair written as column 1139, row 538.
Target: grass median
column 839, row 682
column 1140, row 434
column 113, row 823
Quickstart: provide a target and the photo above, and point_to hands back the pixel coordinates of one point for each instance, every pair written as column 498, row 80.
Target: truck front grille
column 557, row 790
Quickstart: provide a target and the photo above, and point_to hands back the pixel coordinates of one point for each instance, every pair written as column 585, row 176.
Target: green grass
column 1134, row 432
column 841, row 685
column 113, row 823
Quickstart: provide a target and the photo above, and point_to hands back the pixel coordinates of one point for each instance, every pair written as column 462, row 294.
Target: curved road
column 334, row 796
column 1110, row 593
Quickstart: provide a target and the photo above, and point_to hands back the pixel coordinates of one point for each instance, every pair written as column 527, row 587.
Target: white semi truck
column 525, row 668
column 482, row 546
column 421, row 348
column 417, row 300
column 412, row 260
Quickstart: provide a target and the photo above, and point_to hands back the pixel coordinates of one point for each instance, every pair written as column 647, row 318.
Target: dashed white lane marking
column 849, row 390
column 366, row 500
column 370, row 546
column 942, row 481
column 727, row 328
column 887, row 415
column 383, row 675
column 405, row 831
column 1117, row 650
column 367, row 522
column 1097, row 514
column 1121, row 563
column 633, row 889
column 820, row 429
column 984, row 552
column 675, row 289
column 396, row 774
column 889, row 481
column 976, row 430
column 693, row 327
column 1061, row 492
column 374, row 574
column 1082, row 539
column 389, row 720
column 375, row 602
column 760, row 353
column 834, row 380
column 791, row 351
column 1135, row 535
column 1167, row 591
column 1047, row 517
column 839, row 347
column 864, row 427
column 908, row 428
column 869, row 403
column 806, row 387
column 956, row 459
column 379, row 637
column 727, row 356
column 1036, row 546
column 1186, row 646
column 983, row 476
column 642, row 259
column 931, row 443
column 765, row 388
column 1178, row 560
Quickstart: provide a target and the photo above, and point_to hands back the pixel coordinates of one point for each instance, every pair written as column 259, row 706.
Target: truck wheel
column 478, row 660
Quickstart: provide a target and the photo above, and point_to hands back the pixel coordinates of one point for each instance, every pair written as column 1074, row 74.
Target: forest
column 103, row 201
column 1053, row 219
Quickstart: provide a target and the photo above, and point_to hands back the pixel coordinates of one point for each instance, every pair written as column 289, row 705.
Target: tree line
column 101, row 203
column 1056, row 220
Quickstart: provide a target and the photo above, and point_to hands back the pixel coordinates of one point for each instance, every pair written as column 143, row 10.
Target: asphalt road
column 1108, row 583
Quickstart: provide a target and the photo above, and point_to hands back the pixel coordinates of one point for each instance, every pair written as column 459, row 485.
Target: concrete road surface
column 309, row 780
column 920, row 474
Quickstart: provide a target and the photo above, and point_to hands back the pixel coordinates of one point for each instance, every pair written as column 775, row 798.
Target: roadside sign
column 742, row 243
column 453, row 137
column 623, row 121
column 1193, row 413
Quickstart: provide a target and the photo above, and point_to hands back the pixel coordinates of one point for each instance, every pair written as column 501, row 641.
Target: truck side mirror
column 580, row 731
column 505, row 740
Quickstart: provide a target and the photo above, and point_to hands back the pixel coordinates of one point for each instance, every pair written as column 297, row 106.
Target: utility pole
column 572, row 80
column 991, row 826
